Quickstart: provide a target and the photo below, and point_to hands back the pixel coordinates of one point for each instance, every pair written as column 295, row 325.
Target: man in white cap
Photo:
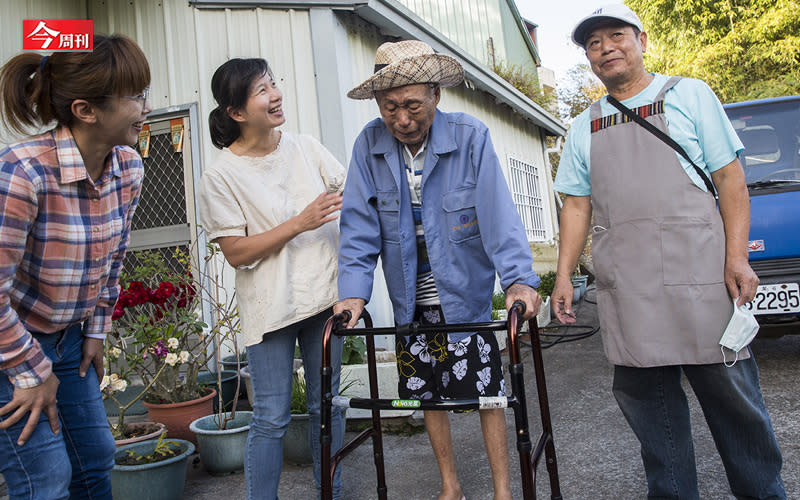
column 670, row 267
column 426, row 193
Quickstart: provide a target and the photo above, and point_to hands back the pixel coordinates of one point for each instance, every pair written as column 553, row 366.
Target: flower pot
column 140, row 428
column 576, row 292
column 156, row 481
column 580, row 281
column 248, row 384
column 229, row 363
column 296, row 448
column 222, row 450
column 178, row 416
column 229, row 379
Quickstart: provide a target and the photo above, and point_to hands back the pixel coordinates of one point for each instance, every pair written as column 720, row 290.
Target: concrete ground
column 598, row 456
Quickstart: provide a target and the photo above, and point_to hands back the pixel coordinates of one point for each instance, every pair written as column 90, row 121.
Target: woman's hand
column 32, row 401
column 319, row 211
column 245, row 250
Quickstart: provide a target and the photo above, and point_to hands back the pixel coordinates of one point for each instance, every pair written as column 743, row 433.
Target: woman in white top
column 270, row 201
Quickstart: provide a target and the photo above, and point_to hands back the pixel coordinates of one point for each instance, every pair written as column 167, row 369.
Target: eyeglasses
column 142, row 98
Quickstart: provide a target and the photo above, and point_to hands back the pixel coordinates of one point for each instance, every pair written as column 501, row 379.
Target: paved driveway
column 598, row 455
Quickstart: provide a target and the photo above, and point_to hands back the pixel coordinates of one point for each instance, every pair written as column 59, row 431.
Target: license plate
column 776, row 299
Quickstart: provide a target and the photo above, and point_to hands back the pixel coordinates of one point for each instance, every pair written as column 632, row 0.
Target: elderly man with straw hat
column 425, row 192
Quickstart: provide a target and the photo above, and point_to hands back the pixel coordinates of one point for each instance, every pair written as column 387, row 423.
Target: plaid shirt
column 62, row 241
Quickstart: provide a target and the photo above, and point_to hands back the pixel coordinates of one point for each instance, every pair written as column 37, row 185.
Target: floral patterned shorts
column 431, row 367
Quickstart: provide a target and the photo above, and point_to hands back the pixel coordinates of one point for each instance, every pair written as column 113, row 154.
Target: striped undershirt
column 426, row 287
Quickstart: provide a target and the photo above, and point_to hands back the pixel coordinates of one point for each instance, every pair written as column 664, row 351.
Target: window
column 527, row 193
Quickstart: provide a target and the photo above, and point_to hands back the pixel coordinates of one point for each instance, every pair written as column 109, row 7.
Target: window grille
column 527, row 193
column 164, row 216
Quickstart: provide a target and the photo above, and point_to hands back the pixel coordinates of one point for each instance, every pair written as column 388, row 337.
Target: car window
column 770, row 133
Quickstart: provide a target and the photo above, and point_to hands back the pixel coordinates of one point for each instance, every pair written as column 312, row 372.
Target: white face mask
column 741, row 330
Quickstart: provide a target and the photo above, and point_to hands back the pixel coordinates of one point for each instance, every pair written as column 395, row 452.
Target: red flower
column 137, row 293
column 118, row 312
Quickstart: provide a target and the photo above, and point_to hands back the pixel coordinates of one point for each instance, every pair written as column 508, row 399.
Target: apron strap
column 670, row 83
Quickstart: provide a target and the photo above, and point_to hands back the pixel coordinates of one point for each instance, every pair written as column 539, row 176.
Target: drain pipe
column 555, row 149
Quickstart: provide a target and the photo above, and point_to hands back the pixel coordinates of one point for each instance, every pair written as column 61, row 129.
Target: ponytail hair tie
column 42, row 63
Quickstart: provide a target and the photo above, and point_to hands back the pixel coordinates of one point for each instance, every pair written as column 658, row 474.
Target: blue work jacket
column 472, row 227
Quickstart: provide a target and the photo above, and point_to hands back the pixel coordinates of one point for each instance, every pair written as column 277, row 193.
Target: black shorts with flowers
column 431, row 367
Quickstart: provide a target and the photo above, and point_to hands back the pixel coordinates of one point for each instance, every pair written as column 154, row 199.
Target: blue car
column 770, row 131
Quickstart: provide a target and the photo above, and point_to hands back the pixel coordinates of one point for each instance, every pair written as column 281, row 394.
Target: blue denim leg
column 740, row 424
column 86, row 433
column 38, row 470
column 656, row 408
column 270, row 367
column 310, row 340
column 80, row 458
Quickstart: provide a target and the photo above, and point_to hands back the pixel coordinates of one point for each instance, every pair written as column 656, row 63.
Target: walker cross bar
column 529, row 455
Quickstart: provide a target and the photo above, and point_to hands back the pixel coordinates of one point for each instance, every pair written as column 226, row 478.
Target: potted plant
column 111, row 388
column 222, row 437
column 162, row 342
column 152, row 470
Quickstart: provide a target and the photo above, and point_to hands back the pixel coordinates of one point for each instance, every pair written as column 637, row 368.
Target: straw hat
column 407, row 63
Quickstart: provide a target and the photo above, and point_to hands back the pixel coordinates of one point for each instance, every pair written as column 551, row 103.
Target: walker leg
column 544, row 408
column 377, row 434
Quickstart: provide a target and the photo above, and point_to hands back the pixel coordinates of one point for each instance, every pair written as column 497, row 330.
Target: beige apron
column 658, row 248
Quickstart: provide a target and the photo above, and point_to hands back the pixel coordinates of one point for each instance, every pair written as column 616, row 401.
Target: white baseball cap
column 616, row 11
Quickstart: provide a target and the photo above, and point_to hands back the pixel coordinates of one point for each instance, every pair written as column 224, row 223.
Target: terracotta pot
column 178, row 416
column 144, row 437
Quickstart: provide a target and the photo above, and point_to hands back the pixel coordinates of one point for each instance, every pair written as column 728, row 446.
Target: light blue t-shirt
column 695, row 120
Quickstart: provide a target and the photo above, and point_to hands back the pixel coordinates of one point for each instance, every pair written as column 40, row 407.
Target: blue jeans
column 656, row 408
column 77, row 462
column 270, row 366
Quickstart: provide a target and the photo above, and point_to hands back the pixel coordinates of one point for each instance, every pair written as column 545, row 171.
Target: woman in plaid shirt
column 67, row 197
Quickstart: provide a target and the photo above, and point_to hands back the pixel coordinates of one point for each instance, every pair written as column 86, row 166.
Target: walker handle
column 519, row 305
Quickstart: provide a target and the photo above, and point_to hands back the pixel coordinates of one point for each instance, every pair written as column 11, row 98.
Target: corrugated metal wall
column 12, row 12
column 17, row 10
column 469, row 23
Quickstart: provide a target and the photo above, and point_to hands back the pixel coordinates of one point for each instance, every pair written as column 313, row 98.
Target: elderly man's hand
column 741, row 280
column 355, row 306
column 527, row 295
